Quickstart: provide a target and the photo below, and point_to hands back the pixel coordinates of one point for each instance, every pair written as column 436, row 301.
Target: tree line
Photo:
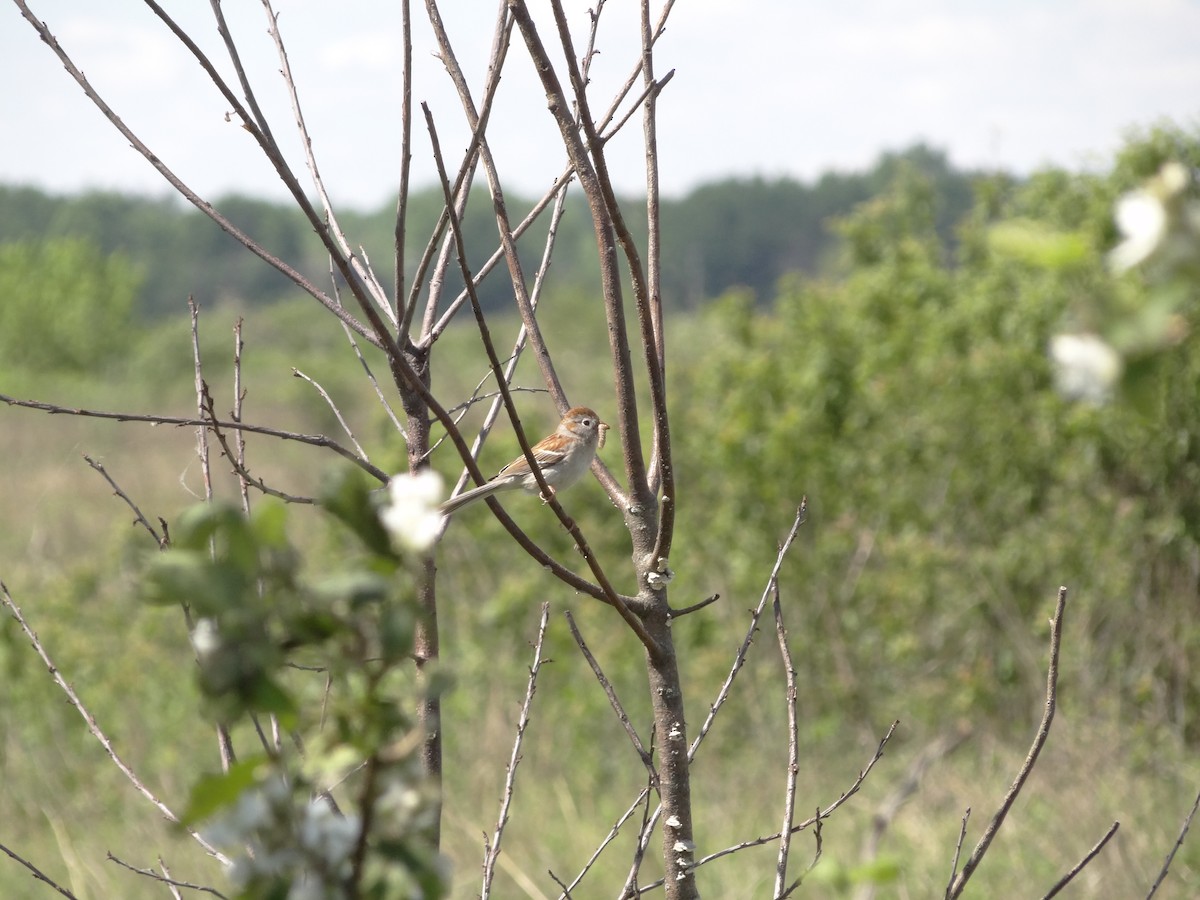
column 739, row 232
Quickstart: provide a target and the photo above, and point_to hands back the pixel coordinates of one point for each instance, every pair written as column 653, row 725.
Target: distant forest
column 741, row 232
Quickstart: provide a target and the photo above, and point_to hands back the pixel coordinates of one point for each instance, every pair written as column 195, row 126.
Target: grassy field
column 69, row 556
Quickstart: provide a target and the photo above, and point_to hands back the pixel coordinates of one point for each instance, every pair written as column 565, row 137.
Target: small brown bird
column 563, row 457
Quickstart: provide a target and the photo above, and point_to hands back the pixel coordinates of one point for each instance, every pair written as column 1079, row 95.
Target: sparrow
column 563, row 457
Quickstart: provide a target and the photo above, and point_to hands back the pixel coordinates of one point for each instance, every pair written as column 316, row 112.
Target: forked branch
column 958, row 880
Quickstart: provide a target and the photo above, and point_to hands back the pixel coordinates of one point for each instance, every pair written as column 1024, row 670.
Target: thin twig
column 695, row 607
column 639, row 847
column 335, row 230
column 139, row 519
column 643, row 797
column 333, row 408
column 239, row 395
column 38, row 873
column 646, row 757
column 566, row 891
column 465, row 177
column 1187, row 823
column 237, row 458
column 891, row 805
column 793, row 764
column 1039, row 741
column 198, row 377
column 186, row 192
column 166, row 879
column 514, row 759
column 958, row 845
column 167, row 874
column 820, row 815
column 819, row 841
column 225, row 746
column 1078, row 867
column 313, row 440
column 401, row 226
column 94, row 727
column 362, row 360
column 740, row 658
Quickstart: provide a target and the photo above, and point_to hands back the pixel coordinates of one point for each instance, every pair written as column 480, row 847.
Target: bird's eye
column 587, row 422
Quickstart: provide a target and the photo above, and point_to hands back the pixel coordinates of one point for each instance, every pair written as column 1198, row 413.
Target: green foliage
column 951, row 489
column 66, row 305
column 256, row 615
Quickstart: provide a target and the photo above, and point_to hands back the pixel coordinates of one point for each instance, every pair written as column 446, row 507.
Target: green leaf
column 396, row 629
column 268, row 697
column 213, row 792
column 200, row 522
column 348, row 496
column 190, row 577
column 268, row 522
column 1036, row 244
column 356, row 587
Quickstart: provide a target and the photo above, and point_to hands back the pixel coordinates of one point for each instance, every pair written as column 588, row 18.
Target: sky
column 765, row 88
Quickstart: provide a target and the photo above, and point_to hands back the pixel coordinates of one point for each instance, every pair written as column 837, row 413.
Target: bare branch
column 1078, row 867
column 237, row 458
column 958, row 845
column 740, row 658
column 1187, row 823
column 1039, row 741
column 820, row 815
column 335, row 230
column 94, row 727
column 695, row 607
column 383, row 401
column 623, row 373
column 167, row 874
column 333, row 408
column 400, row 230
column 514, row 759
column 166, row 878
column 891, row 805
column 313, row 440
column 38, row 873
column 139, row 519
column 198, row 385
column 793, row 766
column 819, row 841
column 614, row 701
column 225, row 746
column 239, row 396
column 643, row 797
column 186, row 192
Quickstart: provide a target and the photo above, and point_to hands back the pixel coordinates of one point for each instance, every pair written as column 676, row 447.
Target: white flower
column 1086, row 367
column 326, row 835
column 1142, row 219
column 1145, row 216
column 412, row 515
column 205, row 637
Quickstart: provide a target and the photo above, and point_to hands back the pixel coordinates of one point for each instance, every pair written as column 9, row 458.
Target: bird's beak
column 603, row 435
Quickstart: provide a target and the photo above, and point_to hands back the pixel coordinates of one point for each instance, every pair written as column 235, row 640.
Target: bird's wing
column 520, row 465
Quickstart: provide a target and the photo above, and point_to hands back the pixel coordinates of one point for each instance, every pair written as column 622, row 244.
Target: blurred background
column 875, row 223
